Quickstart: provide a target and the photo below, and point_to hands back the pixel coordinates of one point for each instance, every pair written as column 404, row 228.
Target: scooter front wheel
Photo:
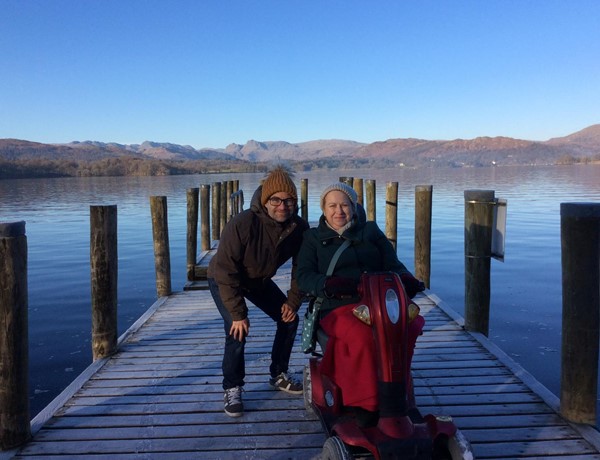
column 457, row 447
column 335, row 449
column 307, row 392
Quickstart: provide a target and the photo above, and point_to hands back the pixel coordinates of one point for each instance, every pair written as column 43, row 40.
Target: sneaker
column 286, row 382
column 233, row 402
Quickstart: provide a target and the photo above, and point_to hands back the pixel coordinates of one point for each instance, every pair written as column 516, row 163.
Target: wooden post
column 580, row 254
column 205, row 217
column 239, row 196
column 237, row 202
column 162, row 256
column 304, row 199
column 391, row 212
column 223, row 212
column 479, row 217
column 357, row 185
column 371, row 198
column 229, row 204
column 104, row 279
column 216, row 210
column 234, row 197
column 14, row 340
column 192, row 232
column 423, row 206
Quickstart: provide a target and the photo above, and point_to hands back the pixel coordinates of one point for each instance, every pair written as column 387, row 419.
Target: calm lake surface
column 526, row 301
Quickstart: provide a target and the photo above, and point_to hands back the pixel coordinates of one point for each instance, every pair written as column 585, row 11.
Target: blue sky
column 209, row 73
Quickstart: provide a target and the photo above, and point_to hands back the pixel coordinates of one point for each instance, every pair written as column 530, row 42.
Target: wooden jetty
column 160, row 396
column 155, row 393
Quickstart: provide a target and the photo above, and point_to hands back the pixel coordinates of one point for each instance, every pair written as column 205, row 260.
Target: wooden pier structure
column 156, row 393
column 160, row 395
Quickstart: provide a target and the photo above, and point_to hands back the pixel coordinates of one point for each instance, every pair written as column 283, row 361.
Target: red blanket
column 349, row 359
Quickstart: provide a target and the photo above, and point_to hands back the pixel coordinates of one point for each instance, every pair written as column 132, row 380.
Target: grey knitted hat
column 340, row 187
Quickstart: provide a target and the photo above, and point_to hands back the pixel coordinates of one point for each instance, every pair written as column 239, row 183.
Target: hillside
column 168, row 158
column 269, row 151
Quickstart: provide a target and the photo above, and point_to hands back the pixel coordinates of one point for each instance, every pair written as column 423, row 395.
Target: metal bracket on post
column 499, row 229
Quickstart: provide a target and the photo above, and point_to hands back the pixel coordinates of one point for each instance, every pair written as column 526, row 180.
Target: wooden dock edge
column 589, row 433
column 197, row 277
column 57, row 403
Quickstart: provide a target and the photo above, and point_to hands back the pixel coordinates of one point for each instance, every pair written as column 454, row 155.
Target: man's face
column 280, row 206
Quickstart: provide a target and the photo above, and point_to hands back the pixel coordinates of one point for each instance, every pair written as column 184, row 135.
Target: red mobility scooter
column 399, row 430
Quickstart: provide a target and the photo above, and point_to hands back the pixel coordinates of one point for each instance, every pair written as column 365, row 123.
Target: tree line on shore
column 120, row 166
column 126, row 166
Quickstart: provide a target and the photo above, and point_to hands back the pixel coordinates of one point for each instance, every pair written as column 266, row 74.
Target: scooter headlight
column 392, row 305
column 362, row 312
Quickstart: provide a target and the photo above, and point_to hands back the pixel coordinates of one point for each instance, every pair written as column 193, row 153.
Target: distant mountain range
column 481, row 151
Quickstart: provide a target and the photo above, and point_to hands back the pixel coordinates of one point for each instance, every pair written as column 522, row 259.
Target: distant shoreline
column 127, row 167
column 26, row 159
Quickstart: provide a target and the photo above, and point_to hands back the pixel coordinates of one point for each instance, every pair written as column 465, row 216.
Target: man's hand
column 287, row 313
column 239, row 329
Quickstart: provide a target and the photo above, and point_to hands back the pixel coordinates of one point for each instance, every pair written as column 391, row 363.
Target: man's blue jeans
column 269, row 299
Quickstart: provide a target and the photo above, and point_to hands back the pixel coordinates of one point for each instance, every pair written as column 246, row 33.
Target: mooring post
column 229, row 203
column 14, row 337
column 192, row 232
column 391, row 212
column 216, row 210
column 237, row 202
column 357, row 185
column 234, row 197
column 223, row 203
column 304, row 199
column 104, row 279
column 371, row 198
column 580, row 257
column 162, row 256
column 205, row 217
column 479, row 217
column 423, row 207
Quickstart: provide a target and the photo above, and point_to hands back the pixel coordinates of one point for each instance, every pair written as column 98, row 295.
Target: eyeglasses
column 276, row 201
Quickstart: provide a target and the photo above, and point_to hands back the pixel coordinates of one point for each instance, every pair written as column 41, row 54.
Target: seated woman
column 349, row 355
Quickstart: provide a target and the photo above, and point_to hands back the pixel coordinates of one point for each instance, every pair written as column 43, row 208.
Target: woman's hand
column 239, row 329
column 411, row 284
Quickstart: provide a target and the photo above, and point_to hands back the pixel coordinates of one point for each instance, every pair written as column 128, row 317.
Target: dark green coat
column 370, row 251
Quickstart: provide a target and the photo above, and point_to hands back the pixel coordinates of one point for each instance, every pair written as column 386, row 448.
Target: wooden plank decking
column 160, row 396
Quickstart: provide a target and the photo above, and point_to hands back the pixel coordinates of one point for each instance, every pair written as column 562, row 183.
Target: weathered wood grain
column 160, row 396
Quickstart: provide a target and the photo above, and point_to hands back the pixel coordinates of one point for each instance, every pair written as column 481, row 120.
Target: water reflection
column 526, row 288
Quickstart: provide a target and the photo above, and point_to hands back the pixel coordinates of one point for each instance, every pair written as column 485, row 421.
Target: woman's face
column 337, row 209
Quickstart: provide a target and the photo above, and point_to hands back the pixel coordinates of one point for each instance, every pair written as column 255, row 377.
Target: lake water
column 526, row 303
